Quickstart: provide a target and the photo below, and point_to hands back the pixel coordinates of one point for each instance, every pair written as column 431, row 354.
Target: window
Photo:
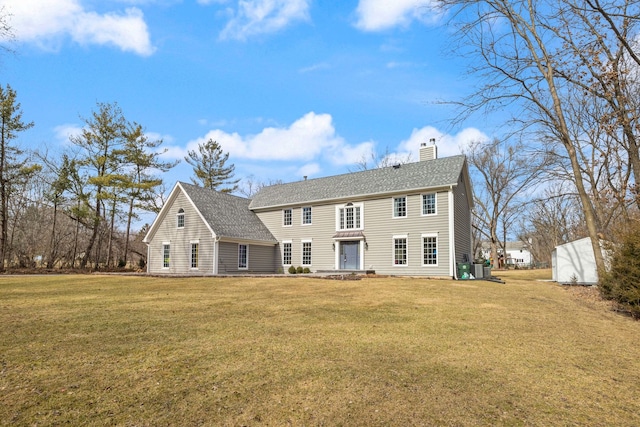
column 306, row 253
column 286, row 217
column 286, row 253
column 306, row 215
column 194, row 254
column 243, row 255
column 181, row 218
column 429, row 250
column 400, row 251
column 350, row 217
column 166, row 251
column 399, row 207
column 429, row 204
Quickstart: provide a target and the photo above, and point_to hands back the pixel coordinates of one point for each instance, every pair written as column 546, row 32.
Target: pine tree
column 209, row 167
column 11, row 168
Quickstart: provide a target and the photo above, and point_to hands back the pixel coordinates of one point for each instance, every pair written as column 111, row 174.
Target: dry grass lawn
column 118, row 350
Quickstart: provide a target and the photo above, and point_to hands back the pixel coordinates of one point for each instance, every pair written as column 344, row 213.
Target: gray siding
column 462, row 221
column 259, row 258
column 180, row 240
column 379, row 229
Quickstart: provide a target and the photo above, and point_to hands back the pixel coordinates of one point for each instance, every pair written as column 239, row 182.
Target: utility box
column 478, row 271
column 464, row 270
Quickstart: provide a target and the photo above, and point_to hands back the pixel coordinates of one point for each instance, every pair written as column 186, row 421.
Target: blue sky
column 287, row 87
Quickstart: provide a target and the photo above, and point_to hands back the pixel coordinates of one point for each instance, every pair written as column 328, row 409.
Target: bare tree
column 374, row 160
column 251, row 186
column 519, row 54
column 502, row 176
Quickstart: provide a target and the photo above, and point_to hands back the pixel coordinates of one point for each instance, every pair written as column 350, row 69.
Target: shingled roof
column 227, row 215
column 407, row 177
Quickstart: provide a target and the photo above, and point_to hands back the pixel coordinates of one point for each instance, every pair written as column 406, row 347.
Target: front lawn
column 122, row 350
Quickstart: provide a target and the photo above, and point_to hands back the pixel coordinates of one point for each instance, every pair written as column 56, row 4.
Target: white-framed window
column 399, row 207
column 180, row 218
column 306, row 215
column 243, row 257
column 306, row 252
column 400, row 256
column 349, row 217
column 287, row 217
column 429, row 249
column 429, row 204
column 195, row 247
column 286, row 253
column 166, row 255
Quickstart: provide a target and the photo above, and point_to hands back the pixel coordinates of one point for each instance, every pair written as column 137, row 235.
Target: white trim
column 246, row 267
column 393, row 250
column 167, row 206
column 302, row 242
column 287, row 209
column 302, row 223
column 422, row 236
column 452, row 242
column 359, row 205
column 435, row 196
column 290, row 255
column 393, row 206
column 162, row 259
column 191, row 243
column 216, row 252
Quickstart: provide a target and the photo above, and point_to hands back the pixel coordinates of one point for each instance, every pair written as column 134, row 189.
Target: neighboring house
column 574, row 263
column 410, row 219
column 518, row 253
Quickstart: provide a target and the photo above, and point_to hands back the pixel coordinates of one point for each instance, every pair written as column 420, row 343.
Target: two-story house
column 409, row 219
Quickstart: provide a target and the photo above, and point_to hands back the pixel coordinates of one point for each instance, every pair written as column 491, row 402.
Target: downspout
column 452, row 236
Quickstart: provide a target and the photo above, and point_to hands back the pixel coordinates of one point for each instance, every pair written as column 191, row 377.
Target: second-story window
column 180, row 218
column 429, row 204
column 350, row 217
column 287, row 217
column 399, row 207
column 306, row 215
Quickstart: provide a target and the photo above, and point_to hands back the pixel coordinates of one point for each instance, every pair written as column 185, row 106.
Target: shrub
column 299, row 270
column 306, row 270
column 292, row 270
column 621, row 283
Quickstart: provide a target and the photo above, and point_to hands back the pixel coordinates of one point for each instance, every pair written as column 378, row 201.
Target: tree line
column 568, row 165
column 76, row 209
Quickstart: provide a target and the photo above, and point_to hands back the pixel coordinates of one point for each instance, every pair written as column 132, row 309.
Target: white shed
column 574, row 262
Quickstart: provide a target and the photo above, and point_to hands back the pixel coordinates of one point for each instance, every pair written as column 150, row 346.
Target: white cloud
column 308, row 170
column 64, row 132
column 254, row 17
column 315, row 67
column 45, row 22
column 312, row 136
column 377, row 15
column 448, row 145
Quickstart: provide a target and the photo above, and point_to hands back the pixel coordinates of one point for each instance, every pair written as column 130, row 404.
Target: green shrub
column 306, row 270
column 292, row 270
column 299, row 270
column 621, row 283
